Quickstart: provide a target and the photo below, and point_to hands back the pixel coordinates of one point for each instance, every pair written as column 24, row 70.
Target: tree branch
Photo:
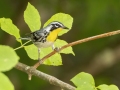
column 31, row 70
column 75, row 43
column 46, row 77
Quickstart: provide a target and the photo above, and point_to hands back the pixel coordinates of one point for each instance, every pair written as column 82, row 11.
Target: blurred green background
column 101, row 57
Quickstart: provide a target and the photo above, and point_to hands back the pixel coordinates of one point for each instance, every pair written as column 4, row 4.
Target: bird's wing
column 38, row 35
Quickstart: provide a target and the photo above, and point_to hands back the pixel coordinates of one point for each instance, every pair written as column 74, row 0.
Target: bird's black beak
column 65, row 27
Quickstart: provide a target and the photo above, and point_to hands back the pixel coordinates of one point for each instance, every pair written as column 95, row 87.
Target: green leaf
column 66, row 19
column 83, row 79
column 113, row 87
column 86, row 86
column 103, row 87
column 8, row 58
column 9, row 27
column 5, row 83
column 32, row 52
column 107, row 87
column 68, row 50
column 32, row 17
column 0, row 21
column 54, row 60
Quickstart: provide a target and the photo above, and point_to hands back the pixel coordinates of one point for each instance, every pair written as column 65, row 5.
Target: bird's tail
column 26, row 38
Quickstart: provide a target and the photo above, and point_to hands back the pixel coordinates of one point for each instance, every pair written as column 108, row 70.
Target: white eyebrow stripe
column 57, row 23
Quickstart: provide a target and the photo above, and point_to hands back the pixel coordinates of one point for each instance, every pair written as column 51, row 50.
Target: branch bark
column 32, row 70
column 75, row 43
column 46, row 77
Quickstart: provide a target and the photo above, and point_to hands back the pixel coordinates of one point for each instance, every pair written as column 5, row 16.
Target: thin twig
column 75, row 43
column 22, row 45
column 46, row 77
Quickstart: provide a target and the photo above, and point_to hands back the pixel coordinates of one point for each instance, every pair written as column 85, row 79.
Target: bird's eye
column 56, row 25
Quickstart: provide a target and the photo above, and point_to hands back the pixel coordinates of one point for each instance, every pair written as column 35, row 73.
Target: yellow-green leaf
column 9, row 27
column 5, row 83
column 32, row 52
column 86, row 86
column 66, row 19
column 8, row 58
column 32, row 17
column 83, row 79
column 103, row 87
column 0, row 21
column 60, row 43
column 113, row 87
column 108, row 87
column 54, row 59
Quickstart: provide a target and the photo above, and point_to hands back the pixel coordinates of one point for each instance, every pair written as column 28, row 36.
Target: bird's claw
column 57, row 49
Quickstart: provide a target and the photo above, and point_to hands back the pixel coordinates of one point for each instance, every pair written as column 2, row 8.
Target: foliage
column 5, row 83
column 9, row 58
column 34, row 17
column 85, row 81
column 9, row 27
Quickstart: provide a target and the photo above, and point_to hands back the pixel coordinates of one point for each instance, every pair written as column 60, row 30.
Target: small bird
column 46, row 36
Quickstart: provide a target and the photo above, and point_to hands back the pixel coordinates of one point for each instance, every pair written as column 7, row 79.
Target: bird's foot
column 57, row 49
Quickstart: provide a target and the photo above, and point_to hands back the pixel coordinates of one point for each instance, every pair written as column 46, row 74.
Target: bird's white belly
column 44, row 45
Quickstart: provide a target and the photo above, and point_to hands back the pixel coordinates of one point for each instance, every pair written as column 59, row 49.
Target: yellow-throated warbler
column 46, row 36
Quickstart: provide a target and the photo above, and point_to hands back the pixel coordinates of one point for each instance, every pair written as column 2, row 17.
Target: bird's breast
column 43, row 45
column 53, row 35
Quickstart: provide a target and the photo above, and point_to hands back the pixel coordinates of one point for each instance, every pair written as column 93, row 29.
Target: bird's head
column 55, row 25
column 54, row 28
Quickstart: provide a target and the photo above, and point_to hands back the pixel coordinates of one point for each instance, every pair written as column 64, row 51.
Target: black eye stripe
column 56, row 25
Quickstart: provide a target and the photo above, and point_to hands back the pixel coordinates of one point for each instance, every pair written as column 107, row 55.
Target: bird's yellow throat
column 53, row 35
